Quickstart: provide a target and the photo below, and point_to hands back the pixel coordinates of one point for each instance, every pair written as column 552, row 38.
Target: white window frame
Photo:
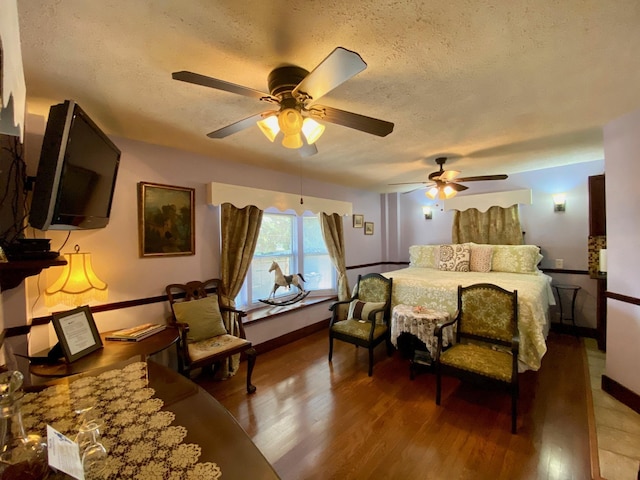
column 243, row 300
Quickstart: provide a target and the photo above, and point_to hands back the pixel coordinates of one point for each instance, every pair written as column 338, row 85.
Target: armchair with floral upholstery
column 364, row 320
column 487, row 341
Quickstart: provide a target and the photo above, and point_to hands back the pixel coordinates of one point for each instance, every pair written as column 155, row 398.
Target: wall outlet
column 559, row 263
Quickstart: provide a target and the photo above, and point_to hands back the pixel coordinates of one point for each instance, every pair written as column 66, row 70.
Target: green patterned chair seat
column 355, row 328
column 480, row 360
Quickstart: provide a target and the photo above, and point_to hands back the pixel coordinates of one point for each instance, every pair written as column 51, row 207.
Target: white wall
column 622, row 149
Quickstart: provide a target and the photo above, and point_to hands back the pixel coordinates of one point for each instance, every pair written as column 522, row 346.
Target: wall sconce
column 78, row 284
column 559, row 202
column 428, row 213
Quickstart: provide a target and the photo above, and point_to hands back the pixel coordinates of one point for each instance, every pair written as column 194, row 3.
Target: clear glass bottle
column 22, row 456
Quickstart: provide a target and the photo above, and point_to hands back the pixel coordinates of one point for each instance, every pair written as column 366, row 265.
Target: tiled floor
column 617, row 426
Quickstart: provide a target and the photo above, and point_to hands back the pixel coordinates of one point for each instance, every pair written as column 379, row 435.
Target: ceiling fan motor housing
column 285, row 79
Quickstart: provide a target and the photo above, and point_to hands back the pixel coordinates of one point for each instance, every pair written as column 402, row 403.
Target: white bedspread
column 438, row 290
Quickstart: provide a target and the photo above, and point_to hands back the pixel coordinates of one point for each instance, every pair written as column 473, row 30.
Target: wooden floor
column 315, row 420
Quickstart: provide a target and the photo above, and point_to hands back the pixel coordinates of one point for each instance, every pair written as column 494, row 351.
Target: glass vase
column 22, row 456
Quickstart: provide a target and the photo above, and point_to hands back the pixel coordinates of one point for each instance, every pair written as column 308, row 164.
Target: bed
column 435, row 272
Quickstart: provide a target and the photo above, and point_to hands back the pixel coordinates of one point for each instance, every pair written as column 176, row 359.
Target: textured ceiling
column 497, row 86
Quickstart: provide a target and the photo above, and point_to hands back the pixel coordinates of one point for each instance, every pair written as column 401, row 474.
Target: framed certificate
column 77, row 333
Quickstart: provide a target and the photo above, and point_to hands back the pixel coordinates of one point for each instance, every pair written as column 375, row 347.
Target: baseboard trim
column 290, row 337
column 569, row 329
column 621, row 393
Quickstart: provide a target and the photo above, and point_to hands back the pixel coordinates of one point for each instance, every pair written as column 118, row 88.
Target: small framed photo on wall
column 358, row 220
column 368, row 228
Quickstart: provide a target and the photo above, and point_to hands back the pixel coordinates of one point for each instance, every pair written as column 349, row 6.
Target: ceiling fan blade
column 339, row 66
column 457, row 187
column 363, row 123
column 448, row 175
column 205, row 81
column 237, row 126
column 482, row 177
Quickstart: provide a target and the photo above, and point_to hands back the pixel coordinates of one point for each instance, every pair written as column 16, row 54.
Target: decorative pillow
column 454, row 258
column 424, row 256
column 360, row 310
column 480, row 258
column 515, row 258
column 203, row 317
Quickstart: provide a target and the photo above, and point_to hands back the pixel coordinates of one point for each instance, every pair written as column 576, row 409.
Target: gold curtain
column 496, row 226
column 240, row 229
column 333, row 234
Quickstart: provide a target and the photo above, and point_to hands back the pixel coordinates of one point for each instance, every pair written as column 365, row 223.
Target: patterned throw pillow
column 425, row 256
column 454, row 258
column 515, row 258
column 480, row 258
column 360, row 310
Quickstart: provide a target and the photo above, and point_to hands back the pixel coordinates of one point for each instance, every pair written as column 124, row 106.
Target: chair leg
column 251, row 361
column 514, row 410
column 370, row 361
column 330, row 347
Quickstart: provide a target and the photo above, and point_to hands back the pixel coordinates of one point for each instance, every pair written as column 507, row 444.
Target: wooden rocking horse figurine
column 283, row 280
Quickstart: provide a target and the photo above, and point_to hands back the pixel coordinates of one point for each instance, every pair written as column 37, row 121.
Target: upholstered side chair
column 487, row 341
column 209, row 331
column 364, row 320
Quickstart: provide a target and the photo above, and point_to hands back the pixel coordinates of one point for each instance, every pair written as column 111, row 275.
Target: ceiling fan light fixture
column 432, row 193
column 269, row 126
column 293, row 140
column 448, row 192
column 312, row 130
column 290, row 121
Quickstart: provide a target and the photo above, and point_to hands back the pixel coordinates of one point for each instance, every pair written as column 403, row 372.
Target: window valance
column 240, row 197
column 485, row 201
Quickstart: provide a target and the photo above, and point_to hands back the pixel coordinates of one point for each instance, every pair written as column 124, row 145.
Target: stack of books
column 135, row 334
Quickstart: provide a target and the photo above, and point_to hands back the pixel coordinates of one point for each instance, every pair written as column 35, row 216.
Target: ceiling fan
column 444, row 184
column 293, row 91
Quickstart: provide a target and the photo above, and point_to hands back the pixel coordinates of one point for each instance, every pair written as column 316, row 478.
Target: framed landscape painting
column 165, row 220
column 368, row 228
column 358, row 221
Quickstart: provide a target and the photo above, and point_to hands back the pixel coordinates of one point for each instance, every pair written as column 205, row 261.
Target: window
column 297, row 245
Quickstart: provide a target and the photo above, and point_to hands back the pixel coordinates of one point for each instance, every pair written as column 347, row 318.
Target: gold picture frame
column 358, row 220
column 166, row 220
column 368, row 228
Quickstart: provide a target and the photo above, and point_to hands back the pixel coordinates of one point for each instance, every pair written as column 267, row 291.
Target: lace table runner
column 140, row 440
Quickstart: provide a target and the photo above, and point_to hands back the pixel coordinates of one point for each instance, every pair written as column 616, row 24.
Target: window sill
column 270, row 311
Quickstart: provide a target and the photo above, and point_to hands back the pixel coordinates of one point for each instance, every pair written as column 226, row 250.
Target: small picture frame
column 358, row 221
column 368, row 228
column 77, row 333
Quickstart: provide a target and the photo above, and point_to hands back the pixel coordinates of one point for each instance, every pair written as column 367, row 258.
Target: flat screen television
column 76, row 175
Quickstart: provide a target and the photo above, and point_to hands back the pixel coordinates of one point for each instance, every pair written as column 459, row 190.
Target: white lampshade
column 269, row 126
column 312, row 130
column 78, row 284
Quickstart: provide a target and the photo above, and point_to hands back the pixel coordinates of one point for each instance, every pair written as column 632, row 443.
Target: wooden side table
column 111, row 353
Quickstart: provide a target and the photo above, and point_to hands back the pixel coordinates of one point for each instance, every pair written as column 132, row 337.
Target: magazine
column 135, row 334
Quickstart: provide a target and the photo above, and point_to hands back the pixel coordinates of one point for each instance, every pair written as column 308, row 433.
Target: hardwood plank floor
column 316, row 420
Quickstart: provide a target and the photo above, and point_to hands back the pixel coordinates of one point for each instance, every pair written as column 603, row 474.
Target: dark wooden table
column 209, row 424
column 111, row 353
